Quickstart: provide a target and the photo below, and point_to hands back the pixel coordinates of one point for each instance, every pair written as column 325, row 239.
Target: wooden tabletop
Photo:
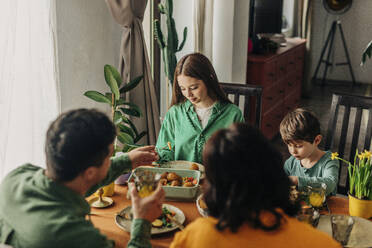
column 104, row 219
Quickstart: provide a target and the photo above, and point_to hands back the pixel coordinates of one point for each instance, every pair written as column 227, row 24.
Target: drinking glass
column 341, row 228
column 317, row 193
column 146, row 182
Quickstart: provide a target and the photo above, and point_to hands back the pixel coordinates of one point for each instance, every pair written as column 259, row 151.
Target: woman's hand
column 148, row 208
column 143, row 156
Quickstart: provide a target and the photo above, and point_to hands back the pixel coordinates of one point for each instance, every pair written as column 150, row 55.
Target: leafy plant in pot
column 127, row 133
column 360, row 183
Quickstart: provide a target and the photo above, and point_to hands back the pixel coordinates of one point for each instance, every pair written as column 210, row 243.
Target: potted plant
column 360, row 183
column 127, row 134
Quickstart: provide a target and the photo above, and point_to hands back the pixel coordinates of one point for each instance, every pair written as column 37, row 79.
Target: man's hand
column 148, row 208
column 143, row 156
column 294, row 180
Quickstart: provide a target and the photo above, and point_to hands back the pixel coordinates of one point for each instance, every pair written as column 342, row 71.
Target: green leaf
column 131, row 112
column 133, row 107
column 111, row 81
column 366, row 53
column 126, row 129
column 116, row 75
column 140, row 136
column 131, row 85
column 128, row 147
column 125, row 138
column 126, row 120
column 96, row 96
column 118, row 117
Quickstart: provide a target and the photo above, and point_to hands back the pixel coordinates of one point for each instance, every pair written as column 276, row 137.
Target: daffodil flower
column 367, row 154
column 334, row 155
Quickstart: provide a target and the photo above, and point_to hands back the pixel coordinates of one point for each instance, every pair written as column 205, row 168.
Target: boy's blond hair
column 300, row 124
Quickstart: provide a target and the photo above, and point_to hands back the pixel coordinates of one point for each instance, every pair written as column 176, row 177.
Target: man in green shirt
column 46, row 208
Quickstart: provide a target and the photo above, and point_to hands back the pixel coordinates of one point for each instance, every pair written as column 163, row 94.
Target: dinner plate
column 201, row 210
column 126, row 224
column 183, row 164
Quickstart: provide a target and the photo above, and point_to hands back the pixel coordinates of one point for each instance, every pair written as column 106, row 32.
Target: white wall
column 88, row 38
column 230, row 37
column 357, row 27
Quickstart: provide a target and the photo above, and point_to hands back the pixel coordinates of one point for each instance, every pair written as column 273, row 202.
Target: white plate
column 202, row 212
column 184, row 165
column 126, row 224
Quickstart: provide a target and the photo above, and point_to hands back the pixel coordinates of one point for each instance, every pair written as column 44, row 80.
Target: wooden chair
column 355, row 132
column 252, row 100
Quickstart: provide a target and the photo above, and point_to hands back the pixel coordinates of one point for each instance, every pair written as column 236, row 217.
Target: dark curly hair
column 299, row 124
column 245, row 178
column 77, row 140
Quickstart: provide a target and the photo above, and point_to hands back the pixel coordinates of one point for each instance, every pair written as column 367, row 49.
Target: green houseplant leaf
column 111, row 81
column 126, row 129
column 131, row 85
column 96, row 96
column 115, row 74
column 125, row 138
column 367, row 53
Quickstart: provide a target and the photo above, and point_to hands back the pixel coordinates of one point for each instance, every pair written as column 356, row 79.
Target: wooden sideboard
column 280, row 74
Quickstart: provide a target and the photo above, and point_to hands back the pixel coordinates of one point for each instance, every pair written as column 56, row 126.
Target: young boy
column 308, row 165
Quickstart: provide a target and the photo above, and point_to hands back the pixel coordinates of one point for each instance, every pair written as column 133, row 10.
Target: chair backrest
column 252, row 95
column 355, row 132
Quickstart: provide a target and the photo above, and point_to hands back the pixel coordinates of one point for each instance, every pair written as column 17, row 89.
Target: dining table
column 104, row 218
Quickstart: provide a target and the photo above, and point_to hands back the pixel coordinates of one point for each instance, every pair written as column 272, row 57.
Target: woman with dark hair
column 199, row 108
column 247, row 194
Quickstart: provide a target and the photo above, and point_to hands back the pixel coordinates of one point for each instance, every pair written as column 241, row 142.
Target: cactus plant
column 169, row 48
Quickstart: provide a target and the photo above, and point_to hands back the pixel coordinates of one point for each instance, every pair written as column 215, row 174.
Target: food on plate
column 188, row 184
column 172, row 176
column 157, row 223
column 202, row 203
column 164, row 175
column 163, row 221
column 175, row 183
column 194, row 166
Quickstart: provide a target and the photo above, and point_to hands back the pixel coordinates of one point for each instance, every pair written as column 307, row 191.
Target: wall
column 230, row 36
column 357, row 27
column 88, row 38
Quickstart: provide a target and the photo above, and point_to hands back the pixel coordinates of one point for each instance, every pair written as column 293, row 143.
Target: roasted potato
column 188, row 184
column 175, row 183
column 157, row 223
column 172, row 176
column 194, row 167
column 164, row 175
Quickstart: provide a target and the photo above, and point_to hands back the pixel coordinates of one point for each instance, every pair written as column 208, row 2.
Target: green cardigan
column 181, row 127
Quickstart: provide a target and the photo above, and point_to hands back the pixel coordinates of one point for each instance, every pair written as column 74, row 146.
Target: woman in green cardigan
column 199, row 107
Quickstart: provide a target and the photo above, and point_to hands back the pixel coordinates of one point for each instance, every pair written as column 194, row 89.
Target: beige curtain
column 303, row 28
column 134, row 62
column 203, row 27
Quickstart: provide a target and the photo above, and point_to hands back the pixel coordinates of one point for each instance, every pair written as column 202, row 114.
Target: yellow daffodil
column 334, row 155
column 367, row 154
column 361, row 156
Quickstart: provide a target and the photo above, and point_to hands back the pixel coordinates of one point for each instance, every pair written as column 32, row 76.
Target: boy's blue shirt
column 324, row 171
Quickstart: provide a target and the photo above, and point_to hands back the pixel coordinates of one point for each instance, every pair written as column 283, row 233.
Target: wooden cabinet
column 281, row 76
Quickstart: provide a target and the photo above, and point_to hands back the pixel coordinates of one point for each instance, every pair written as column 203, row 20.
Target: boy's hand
column 143, row 156
column 148, row 208
column 294, row 180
